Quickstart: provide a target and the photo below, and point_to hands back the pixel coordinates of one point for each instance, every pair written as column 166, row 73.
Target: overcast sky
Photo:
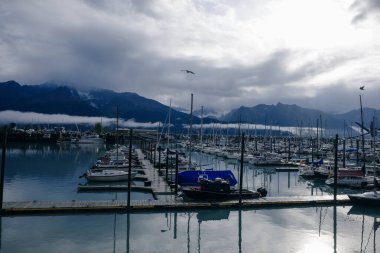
column 313, row 53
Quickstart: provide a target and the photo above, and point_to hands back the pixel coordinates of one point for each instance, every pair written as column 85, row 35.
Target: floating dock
column 73, row 206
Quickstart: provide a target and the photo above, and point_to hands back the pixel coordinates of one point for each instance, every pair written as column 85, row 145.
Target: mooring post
column 3, row 168
column 128, row 230
column 335, row 167
column 130, row 168
column 176, row 173
column 344, row 153
column 175, row 226
column 159, row 160
column 241, row 169
column 154, row 156
column 167, row 165
column 150, row 152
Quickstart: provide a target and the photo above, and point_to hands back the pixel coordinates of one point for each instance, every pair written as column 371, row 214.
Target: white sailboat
column 108, row 175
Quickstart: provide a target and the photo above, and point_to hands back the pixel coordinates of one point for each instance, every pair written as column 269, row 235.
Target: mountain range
column 53, row 99
column 293, row 115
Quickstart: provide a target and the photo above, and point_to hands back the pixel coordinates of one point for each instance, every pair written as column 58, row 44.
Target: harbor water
column 52, row 172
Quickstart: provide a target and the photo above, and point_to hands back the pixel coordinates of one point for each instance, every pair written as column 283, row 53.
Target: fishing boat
column 108, row 175
column 219, row 189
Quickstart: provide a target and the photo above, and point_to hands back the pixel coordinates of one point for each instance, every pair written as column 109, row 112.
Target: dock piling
column 176, row 173
column 335, row 166
column 129, row 169
column 241, row 169
column 3, row 168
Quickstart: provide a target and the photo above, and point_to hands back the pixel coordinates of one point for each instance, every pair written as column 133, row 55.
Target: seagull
column 188, row 71
column 362, row 87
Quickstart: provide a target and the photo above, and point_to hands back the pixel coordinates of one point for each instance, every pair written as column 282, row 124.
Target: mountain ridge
column 64, row 99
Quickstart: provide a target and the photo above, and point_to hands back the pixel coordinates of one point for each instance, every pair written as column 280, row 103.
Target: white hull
column 109, row 176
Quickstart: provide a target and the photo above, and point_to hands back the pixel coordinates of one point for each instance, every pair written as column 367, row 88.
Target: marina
column 154, row 200
column 163, row 195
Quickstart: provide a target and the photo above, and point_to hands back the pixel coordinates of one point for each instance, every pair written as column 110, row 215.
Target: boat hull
column 368, row 199
column 195, row 193
column 108, row 176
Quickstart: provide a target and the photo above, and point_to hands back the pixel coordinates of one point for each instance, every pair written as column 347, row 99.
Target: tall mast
column 170, row 109
column 362, row 126
column 117, row 135
column 190, row 128
column 201, row 128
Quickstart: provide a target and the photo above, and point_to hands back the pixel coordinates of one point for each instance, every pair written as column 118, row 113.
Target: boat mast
column 190, row 128
column 202, row 128
column 362, row 126
column 201, row 139
column 117, row 136
column 170, row 109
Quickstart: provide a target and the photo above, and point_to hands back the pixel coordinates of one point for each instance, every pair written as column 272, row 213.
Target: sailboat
column 108, row 175
column 112, row 172
column 367, row 198
column 371, row 198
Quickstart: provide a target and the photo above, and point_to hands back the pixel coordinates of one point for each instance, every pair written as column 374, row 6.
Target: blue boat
column 192, row 177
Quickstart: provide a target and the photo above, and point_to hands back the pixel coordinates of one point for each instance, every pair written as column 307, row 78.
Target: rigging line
column 162, row 130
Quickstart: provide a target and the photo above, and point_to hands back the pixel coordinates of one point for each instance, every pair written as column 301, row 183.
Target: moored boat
column 193, row 177
column 108, row 175
column 366, row 198
column 351, row 178
column 220, row 189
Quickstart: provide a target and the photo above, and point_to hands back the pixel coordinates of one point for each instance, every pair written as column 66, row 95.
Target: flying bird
column 188, row 71
column 362, row 87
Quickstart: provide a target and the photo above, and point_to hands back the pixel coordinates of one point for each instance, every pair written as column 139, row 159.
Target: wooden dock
column 163, row 198
column 177, row 204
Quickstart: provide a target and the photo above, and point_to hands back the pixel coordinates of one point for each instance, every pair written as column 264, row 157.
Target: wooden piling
column 241, row 169
column 3, row 168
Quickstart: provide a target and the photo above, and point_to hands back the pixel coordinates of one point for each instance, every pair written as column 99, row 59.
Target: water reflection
column 369, row 214
column 316, row 229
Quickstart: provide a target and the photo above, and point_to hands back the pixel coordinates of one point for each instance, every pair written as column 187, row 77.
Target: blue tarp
column 317, row 163
column 191, row 177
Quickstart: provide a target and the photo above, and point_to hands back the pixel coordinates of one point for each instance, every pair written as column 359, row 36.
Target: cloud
column 8, row 116
column 364, row 9
column 243, row 52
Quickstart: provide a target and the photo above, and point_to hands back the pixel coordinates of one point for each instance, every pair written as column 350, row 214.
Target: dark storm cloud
column 142, row 46
column 364, row 8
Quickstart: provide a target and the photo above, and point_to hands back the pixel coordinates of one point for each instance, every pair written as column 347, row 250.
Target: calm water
column 50, row 172
column 268, row 230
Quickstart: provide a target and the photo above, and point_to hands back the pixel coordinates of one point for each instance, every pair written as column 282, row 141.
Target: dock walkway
column 177, row 204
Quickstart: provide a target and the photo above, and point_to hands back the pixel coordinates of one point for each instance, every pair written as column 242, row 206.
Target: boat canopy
column 191, row 177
